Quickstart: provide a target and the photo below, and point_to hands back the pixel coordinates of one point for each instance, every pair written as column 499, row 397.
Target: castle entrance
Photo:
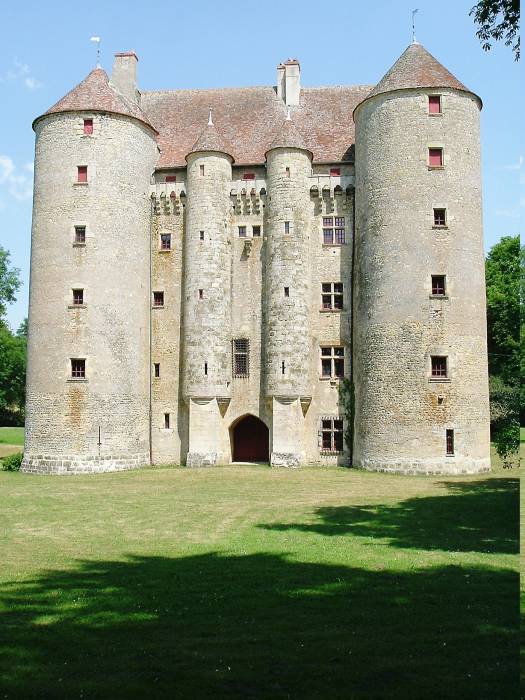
column 250, row 440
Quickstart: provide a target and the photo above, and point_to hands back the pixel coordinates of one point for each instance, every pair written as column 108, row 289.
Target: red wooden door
column 250, row 441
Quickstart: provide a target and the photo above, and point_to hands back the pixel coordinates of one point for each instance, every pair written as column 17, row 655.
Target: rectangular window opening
column 332, row 435
column 241, row 357
column 435, row 157
column 438, row 285
column 287, row 170
column 287, row 227
column 439, row 366
column 256, row 231
column 335, row 172
column 333, row 362
column 166, row 420
column 242, row 231
column 205, row 369
column 450, row 441
column 332, row 296
column 80, row 234
column 434, row 104
column 248, row 176
column 78, row 297
column 158, row 298
column 78, row 368
column 156, row 369
column 440, row 217
column 170, row 178
column 201, row 235
column 201, row 169
column 88, row 126
column 165, row 241
column 334, row 231
column 201, row 293
column 287, row 291
column 282, row 367
column 82, row 173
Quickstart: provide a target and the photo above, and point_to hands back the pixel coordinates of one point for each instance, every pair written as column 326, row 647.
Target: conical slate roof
column 416, row 68
column 211, row 140
column 288, row 136
column 95, row 94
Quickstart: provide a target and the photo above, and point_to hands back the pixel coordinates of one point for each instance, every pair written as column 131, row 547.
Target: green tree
column 12, row 377
column 496, row 20
column 9, row 281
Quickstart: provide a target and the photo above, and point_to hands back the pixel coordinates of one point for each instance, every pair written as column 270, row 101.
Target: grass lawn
column 248, row 582
column 11, row 440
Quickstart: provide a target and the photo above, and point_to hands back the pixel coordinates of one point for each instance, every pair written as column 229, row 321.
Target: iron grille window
column 241, row 357
column 332, row 362
column 331, row 435
column 80, row 234
column 165, row 241
column 439, row 366
column 440, row 217
column 450, row 441
column 334, row 230
column 78, row 297
column 78, row 368
column 438, row 285
column 332, row 296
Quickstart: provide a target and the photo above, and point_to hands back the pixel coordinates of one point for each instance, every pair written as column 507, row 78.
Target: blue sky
column 46, row 50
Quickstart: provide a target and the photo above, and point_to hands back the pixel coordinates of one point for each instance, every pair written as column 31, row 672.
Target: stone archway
column 250, row 440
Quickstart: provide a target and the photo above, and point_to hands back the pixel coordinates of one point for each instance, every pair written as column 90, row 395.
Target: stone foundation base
column 45, row 464
column 285, row 459
column 202, row 459
column 429, row 467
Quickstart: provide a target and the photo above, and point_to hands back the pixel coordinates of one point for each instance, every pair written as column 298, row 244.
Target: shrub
column 12, row 462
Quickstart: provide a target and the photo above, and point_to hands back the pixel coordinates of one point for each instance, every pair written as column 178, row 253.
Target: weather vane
column 414, row 12
column 96, row 39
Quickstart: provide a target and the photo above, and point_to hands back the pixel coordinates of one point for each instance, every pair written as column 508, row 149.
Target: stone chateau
column 210, row 267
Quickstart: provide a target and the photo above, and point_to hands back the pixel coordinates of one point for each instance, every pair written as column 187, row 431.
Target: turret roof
column 96, row 94
column 416, row 68
column 211, row 140
column 288, row 136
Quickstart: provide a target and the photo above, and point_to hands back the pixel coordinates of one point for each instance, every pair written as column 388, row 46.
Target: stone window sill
column 164, row 250
column 80, row 184
column 439, row 379
column 330, row 453
column 76, row 306
column 330, row 379
column 158, row 307
column 436, row 167
column 435, row 114
column 79, row 245
column 331, row 311
column 333, row 245
column 438, row 296
column 440, row 227
column 74, row 380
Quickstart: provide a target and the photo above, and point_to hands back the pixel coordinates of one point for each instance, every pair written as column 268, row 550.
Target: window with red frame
column 88, row 126
column 78, row 368
column 434, row 104
column 435, row 157
column 438, row 366
column 82, row 173
column 438, row 285
column 335, row 172
column 248, row 176
column 170, row 178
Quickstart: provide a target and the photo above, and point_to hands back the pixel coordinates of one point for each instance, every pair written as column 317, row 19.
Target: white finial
column 96, row 39
column 414, row 12
column 288, row 115
column 210, row 120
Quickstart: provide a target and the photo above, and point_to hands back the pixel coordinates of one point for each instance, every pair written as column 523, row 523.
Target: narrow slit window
column 80, row 234
column 78, row 368
column 439, row 366
column 78, row 297
column 205, row 369
column 201, row 235
column 158, row 299
column 287, row 171
column 242, row 231
column 332, row 362
column 434, row 104
column 241, row 357
column 201, row 293
column 256, row 231
column 166, row 420
column 438, row 285
column 156, row 369
column 287, row 227
column 449, row 437
column 82, row 173
column 282, row 367
column 440, row 217
column 88, row 126
column 165, row 241
column 287, row 291
column 201, row 169
column 435, row 157
column 332, row 435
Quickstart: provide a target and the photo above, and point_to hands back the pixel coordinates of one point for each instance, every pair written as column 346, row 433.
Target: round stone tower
column 420, row 365
column 88, row 377
column 207, row 361
column 287, row 336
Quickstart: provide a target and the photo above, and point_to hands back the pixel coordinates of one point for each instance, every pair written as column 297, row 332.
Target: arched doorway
column 250, row 440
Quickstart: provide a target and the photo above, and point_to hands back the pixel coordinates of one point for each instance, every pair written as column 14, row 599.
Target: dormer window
column 88, row 126
column 434, row 104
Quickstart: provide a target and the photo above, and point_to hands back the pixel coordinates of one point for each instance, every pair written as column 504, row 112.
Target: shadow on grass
column 258, row 626
column 476, row 516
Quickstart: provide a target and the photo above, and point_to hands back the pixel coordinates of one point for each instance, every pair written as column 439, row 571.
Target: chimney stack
column 289, row 82
column 124, row 75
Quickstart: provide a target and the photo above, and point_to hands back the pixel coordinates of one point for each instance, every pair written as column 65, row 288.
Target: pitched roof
column 288, row 136
column 416, row 68
column 96, row 94
column 211, row 140
column 248, row 118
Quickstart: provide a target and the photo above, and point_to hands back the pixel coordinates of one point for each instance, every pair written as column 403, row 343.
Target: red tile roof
column 95, row 94
column 211, row 140
column 249, row 118
column 416, row 68
column 288, row 137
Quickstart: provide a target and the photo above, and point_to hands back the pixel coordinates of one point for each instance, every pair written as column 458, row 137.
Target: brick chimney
column 124, row 75
column 289, row 82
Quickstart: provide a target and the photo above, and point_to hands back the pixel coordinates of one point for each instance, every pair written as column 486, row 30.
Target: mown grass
column 248, row 582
